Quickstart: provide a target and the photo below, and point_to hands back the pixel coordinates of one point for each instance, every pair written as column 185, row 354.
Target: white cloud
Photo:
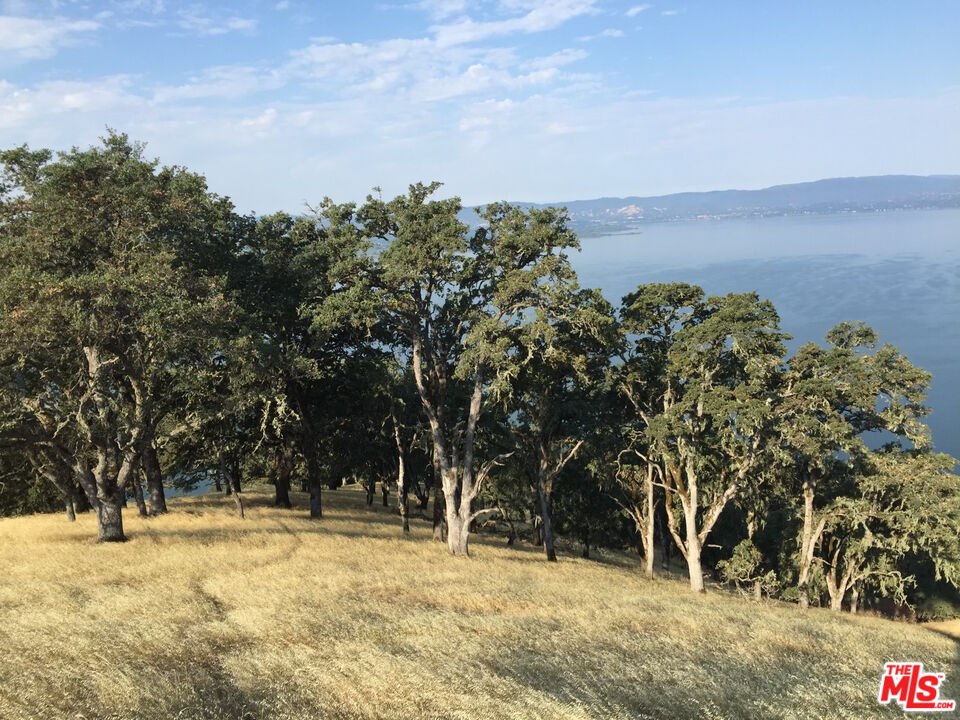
column 26, row 38
column 478, row 79
column 637, row 9
column 561, row 128
column 154, row 7
column 546, row 146
column 360, row 62
column 264, row 120
column 21, row 108
column 556, row 60
column 471, row 123
column 229, row 81
column 441, row 9
column 669, row 13
column 194, row 20
column 544, row 15
column 335, row 118
column 608, row 33
column 422, row 70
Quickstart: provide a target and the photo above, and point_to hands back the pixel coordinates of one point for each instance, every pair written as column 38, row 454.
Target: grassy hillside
column 203, row 615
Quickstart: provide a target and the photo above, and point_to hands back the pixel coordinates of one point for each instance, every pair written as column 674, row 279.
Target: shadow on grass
column 697, row 682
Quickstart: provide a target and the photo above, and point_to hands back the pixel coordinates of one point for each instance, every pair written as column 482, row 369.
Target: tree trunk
column 155, row 493
column 404, row 512
column 835, row 588
column 80, row 502
column 666, row 543
column 458, row 532
column 113, row 471
column 371, row 488
column 281, row 482
column 235, row 473
column 314, row 476
column 806, row 547
column 225, row 474
column 385, row 492
column 648, row 540
column 71, row 512
column 537, row 525
column 512, row 534
column 110, row 520
column 403, row 493
column 138, row 494
column 87, row 482
column 693, row 546
column 282, row 491
column 230, row 469
column 545, row 524
column 757, row 591
column 439, row 502
column 457, row 514
column 854, row 599
column 648, row 557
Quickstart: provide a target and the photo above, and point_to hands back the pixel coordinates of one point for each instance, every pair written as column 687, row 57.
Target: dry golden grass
column 203, row 615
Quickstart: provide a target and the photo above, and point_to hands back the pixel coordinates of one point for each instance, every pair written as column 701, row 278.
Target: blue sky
column 283, row 102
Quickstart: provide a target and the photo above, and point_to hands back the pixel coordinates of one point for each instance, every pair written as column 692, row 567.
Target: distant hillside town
column 836, row 195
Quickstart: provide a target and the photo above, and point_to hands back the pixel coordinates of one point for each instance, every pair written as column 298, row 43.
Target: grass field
column 204, row 615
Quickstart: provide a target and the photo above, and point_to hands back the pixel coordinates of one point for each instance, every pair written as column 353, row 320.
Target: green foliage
column 139, row 311
column 744, row 569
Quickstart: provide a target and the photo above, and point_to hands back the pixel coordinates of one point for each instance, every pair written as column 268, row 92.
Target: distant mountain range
column 835, row 195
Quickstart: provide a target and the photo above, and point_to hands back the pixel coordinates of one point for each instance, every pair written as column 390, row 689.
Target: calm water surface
column 896, row 271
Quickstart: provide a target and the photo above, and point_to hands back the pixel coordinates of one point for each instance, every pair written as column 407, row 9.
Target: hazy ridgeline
column 150, row 335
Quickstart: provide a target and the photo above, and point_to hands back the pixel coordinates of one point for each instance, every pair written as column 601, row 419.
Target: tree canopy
column 152, row 338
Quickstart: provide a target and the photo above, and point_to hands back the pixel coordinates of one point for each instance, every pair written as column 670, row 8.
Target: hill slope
column 203, row 615
column 857, row 194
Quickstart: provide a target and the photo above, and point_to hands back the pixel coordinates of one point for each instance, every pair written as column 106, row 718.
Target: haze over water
column 897, row 271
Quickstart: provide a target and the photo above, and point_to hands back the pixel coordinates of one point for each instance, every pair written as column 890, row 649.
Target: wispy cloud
column 227, row 81
column 442, row 9
column 424, row 70
column 608, row 33
column 24, row 38
column 556, row 60
column 540, row 16
column 260, row 124
column 488, row 96
column 22, row 108
column 196, row 21
column 154, row 7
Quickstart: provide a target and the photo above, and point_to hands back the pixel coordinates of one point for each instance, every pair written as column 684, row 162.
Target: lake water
column 897, row 271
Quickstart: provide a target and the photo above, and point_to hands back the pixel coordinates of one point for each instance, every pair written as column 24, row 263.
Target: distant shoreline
column 594, row 229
